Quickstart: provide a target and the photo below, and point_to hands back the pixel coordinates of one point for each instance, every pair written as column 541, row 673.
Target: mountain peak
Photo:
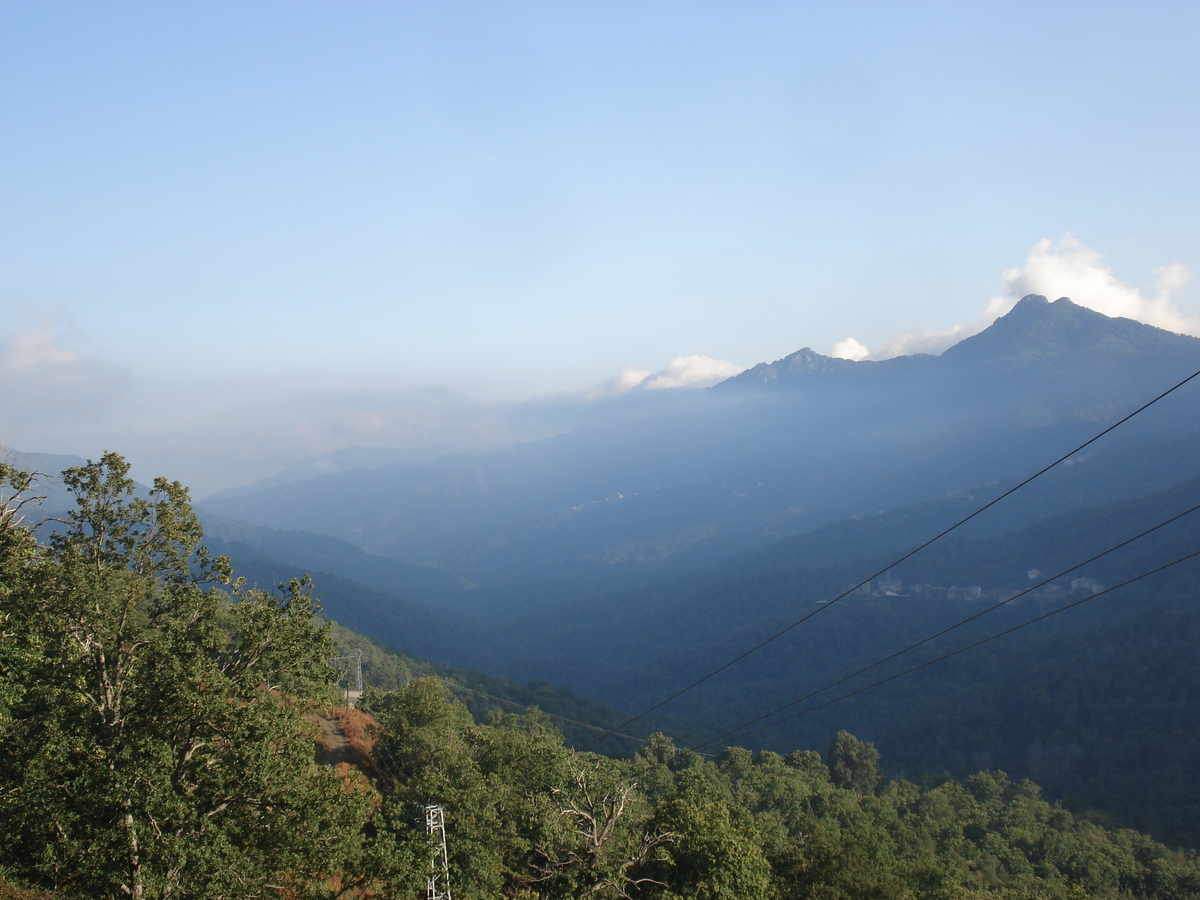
column 804, row 363
column 1035, row 301
column 1036, row 329
column 1060, row 335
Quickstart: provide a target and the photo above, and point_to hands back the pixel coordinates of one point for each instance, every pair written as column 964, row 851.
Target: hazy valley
column 594, row 574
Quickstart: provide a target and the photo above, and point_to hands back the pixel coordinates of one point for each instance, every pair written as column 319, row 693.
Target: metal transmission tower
column 350, row 679
column 437, row 886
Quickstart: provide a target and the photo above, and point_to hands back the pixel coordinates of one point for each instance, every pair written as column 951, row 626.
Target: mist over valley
column 629, row 452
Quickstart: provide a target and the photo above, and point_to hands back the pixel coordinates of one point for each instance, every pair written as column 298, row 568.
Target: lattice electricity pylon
column 437, row 886
column 350, row 672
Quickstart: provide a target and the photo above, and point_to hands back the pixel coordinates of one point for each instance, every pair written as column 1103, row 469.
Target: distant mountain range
column 1038, row 337
column 380, row 596
column 778, row 450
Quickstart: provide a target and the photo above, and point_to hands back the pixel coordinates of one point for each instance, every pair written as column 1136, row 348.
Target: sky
column 237, row 235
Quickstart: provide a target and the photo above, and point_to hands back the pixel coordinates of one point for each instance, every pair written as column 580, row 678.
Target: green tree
column 156, row 747
column 17, row 546
column 428, row 749
column 716, row 851
column 853, row 764
column 606, row 845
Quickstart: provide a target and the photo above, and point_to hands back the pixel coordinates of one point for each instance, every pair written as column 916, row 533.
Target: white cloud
column 692, row 371
column 34, row 349
column 682, row 371
column 850, row 348
column 929, row 341
column 629, row 378
column 1067, row 269
column 1072, row 269
column 46, row 380
column 235, row 429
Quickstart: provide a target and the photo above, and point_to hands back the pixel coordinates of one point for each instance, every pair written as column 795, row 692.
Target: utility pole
column 351, row 669
column 437, row 886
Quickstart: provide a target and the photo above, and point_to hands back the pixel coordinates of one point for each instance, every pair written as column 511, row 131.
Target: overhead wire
column 948, row 628
column 389, row 764
column 972, row 646
column 699, row 681
column 454, row 685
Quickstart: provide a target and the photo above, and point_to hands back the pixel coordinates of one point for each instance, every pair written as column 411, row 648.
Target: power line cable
column 641, row 740
column 947, row 629
column 909, row 554
column 389, row 764
column 461, row 687
column 972, row 646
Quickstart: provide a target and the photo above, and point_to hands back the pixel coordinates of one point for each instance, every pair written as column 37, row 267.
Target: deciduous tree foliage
column 523, row 815
column 853, row 764
column 152, row 737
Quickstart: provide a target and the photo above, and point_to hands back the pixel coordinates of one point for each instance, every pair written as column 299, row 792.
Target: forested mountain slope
column 735, row 599
column 422, row 584
column 1123, row 465
column 370, row 594
column 581, row 720
column 635, row 648
column 189, row 769
column 394, row 600
column 629, row 648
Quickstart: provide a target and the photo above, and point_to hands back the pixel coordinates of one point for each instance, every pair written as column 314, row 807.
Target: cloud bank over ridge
column 61, row 394
column 681, row 372
column 1069, row 268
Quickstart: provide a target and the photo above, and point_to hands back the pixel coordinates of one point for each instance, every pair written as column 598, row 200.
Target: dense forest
column 162, row 725
column 1100, row 705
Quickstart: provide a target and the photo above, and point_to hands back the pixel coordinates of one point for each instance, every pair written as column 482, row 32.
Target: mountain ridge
column 1033, row 330
column 733, row 469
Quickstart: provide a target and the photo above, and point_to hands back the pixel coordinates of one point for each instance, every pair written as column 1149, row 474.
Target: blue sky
column 210, row 212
